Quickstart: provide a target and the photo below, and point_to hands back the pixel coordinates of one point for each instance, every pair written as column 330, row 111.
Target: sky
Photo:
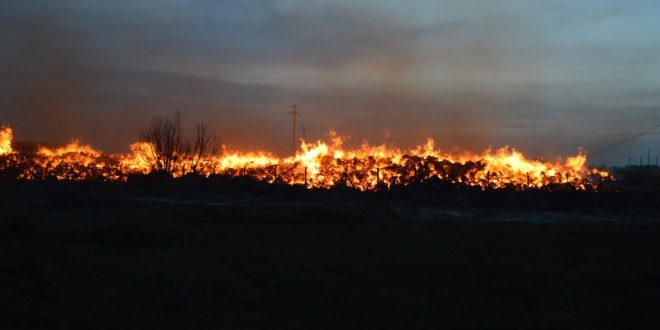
column 545, row 77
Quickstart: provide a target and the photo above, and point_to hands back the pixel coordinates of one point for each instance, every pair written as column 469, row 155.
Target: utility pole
column 294, row 113
column 304, row 131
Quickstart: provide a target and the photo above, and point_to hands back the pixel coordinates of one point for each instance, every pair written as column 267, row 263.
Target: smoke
column 42, row 82
column 468, row 75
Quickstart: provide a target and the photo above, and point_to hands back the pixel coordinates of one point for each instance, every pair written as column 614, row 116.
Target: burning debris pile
column 315, row 165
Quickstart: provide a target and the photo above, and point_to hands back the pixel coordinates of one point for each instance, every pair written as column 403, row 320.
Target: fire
column 139, row 160
column 317, row 164
column 73, row 161
column 6, row 137
column 71, row 149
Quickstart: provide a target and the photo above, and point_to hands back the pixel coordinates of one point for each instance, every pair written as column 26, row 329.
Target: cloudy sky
column 544, row 76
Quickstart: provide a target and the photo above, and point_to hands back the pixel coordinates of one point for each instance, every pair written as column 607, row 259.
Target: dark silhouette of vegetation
column 171, row 148
column 205, row 144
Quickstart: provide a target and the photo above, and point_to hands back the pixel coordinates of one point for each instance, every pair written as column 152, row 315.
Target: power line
column 624, row 141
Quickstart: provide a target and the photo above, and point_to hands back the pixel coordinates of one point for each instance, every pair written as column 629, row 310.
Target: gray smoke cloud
column 546, row 79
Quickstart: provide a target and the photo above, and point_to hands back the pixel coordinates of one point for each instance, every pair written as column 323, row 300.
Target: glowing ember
column 72, row 162
column 315, row 165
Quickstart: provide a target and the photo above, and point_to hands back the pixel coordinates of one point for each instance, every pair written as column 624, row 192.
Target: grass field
column 122, row 260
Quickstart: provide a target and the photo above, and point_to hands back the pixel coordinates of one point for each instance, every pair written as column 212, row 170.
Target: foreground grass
column 134, row 265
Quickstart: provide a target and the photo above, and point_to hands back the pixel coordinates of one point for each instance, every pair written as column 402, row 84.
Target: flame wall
column 316, row 165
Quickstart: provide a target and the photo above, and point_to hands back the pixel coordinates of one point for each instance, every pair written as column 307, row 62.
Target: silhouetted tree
column 205, row 144
column 172, row 152
column 169, row 145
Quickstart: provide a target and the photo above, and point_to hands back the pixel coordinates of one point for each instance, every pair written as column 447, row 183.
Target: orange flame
column 6, row 137
column 139, row 160
column 324, row 165
column 71, row 149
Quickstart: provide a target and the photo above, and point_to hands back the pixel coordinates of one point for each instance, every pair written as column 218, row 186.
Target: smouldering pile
column 315, row 165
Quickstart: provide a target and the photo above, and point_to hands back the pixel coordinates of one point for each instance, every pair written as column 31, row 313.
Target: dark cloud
column 158, row 33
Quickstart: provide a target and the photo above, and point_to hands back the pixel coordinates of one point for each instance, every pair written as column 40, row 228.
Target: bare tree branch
column 205, row 144
column 169, row 146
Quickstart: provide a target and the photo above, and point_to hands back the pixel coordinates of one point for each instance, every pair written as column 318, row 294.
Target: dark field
column 193, row 256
